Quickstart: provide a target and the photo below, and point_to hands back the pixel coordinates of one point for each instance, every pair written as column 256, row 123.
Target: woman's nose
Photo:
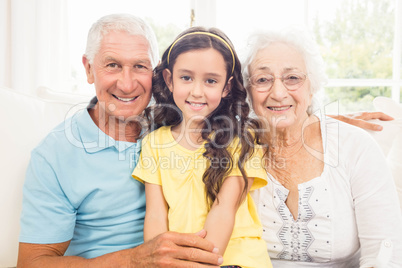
column 278, row 90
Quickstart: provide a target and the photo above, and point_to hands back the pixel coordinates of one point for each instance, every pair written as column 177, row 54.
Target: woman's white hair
column 120, row 22
column 302, row 42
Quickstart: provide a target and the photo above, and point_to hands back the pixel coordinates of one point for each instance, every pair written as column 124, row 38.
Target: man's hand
column 172, row 249
column 165, row 250
column 360, row 119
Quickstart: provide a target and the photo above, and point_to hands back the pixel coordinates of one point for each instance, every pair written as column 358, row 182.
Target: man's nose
column 127, row 80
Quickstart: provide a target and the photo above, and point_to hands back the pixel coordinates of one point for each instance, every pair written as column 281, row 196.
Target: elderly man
column 81, row 208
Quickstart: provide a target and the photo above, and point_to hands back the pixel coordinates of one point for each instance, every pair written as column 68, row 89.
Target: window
column 360, row 40
column 358, row 43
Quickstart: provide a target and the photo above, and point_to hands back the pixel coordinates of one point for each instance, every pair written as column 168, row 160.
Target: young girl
column 199, row 166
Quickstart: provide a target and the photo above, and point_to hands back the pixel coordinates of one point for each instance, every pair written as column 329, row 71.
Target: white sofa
column 390, row 138
column 25, row 120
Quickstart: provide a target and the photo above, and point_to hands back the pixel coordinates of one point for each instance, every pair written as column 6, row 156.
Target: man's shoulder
column 62, row 136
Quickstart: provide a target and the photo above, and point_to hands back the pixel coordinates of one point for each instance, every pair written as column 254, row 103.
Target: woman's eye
column 263, row 80
column 293, row 77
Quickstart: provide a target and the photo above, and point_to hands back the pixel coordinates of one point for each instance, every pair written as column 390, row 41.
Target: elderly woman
column 331, row 201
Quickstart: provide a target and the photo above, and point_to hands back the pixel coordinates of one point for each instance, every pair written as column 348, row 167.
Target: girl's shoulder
column 158, row 136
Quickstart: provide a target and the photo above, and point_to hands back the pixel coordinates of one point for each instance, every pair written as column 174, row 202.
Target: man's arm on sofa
column 361, row 119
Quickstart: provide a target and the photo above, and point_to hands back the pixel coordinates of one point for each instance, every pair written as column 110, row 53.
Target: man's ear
column 227, row 88
column 88, row 70
column 167, row 76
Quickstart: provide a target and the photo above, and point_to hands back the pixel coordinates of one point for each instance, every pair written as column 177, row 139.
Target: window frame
column 205, row 14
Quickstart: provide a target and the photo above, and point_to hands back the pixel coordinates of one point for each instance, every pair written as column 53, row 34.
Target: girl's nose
column 197, row 90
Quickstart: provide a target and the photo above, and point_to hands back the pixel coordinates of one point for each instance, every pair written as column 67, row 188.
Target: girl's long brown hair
column 224, row 125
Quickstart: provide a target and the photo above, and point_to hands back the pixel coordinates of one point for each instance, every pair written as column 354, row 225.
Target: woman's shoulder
column 344, row 143
column 343, row 132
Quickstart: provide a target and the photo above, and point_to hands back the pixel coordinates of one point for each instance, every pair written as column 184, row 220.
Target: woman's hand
column 360, row 119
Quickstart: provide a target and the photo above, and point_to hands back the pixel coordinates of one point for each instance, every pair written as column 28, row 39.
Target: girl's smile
column 198, row 83
column 196, row 105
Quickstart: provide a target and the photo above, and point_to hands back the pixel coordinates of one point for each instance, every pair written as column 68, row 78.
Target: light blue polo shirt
column 79, row 187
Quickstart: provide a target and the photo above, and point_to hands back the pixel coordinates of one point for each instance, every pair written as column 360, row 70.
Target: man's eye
column 112, row 65
column 139, row 66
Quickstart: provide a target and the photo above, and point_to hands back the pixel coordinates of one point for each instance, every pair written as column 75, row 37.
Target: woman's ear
column 227, row 88
column 167, row 76
column 311, row 97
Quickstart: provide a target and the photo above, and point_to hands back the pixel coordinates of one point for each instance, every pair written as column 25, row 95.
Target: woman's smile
column 279, row 109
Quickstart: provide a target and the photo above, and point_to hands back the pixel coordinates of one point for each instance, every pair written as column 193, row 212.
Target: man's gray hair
column 120, row 22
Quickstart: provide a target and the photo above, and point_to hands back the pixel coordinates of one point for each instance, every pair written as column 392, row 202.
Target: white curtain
column 34, row 45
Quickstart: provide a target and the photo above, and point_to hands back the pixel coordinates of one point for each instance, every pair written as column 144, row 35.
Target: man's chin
column 127, row 118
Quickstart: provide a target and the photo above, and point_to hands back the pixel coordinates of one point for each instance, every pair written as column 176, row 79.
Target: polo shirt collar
column 94, row 139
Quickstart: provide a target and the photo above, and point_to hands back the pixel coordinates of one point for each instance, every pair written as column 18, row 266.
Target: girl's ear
column 167, row 76
column 227, row 88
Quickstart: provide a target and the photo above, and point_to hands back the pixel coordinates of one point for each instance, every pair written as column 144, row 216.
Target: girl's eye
column 211, row 81
column 186, row 78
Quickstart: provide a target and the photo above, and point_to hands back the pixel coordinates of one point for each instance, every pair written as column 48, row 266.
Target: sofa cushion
column 390, row 138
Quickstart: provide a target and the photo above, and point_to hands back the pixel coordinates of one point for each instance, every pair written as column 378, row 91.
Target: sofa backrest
column 25, row 120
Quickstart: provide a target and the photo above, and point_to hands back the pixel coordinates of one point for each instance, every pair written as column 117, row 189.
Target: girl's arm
column 221, row 218
column 156, row 216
